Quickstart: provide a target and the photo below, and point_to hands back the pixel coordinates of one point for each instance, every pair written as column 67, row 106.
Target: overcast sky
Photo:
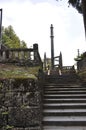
column 31, row 20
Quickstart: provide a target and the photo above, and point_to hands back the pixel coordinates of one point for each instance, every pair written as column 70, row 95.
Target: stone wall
column 20, row 104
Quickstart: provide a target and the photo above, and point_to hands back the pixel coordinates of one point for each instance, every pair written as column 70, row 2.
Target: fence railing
column 28, row 56
column 68, row 70
column 67, row 67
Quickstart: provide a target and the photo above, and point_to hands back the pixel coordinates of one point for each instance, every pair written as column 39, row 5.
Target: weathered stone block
column 1, row 120
column 23, row 85
column 20, row 104
column 3, row 116
column 24, row 117
column 2, row 99
column 31, row 98
column 13, row 99
column 17, row 85
column 4, row 86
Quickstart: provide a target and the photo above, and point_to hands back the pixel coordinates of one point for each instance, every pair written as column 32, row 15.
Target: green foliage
column 81, row 57
column 9, row 127
column 5, row 113
column 76, row 4
column 23, row 44
column 17, row 72
column 10, row 39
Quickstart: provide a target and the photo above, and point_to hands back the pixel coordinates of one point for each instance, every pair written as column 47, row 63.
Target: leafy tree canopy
column 10, row 39
column 80, row 5
column 76, row 4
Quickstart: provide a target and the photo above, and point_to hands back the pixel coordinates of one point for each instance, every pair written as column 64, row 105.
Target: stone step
column 63, row 85
column 61, row 80
column 56, row 96
column 66, row 89
column 64, row 113
column 64, row 100
column 64, row 128
column 65, row 106
column 62, row 77
column 65, row 121
column 65, row 118
column 62, row 88
column 64, row 92
column 64, row 110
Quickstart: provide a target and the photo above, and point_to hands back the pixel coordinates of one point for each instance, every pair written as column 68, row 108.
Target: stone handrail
column 25, row 55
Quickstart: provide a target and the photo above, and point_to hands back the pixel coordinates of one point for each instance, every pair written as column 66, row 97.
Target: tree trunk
column 84, row 14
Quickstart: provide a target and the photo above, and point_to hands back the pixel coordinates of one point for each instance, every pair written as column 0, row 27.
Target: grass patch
column 13, row 71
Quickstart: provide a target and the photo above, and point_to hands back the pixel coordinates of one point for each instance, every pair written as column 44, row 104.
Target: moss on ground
column 13, row 71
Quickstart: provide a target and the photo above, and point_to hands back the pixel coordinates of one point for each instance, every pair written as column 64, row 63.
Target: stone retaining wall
column 20, row 104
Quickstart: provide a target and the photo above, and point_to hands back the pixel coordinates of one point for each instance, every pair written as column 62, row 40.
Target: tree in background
column 10, row 39
column 80, row 5
column 23, row 44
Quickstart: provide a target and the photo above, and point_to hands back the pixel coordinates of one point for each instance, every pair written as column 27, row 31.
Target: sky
column 31, row 20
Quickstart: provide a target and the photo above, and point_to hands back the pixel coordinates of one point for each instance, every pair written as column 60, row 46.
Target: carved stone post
column 35, row 47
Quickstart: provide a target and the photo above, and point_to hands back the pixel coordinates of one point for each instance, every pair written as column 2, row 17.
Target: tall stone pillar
column 52, row 46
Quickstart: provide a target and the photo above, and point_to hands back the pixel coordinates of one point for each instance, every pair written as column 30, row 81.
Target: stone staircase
column 64, row 103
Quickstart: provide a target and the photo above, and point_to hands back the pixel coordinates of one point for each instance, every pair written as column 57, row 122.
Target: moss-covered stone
column 20, row 104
